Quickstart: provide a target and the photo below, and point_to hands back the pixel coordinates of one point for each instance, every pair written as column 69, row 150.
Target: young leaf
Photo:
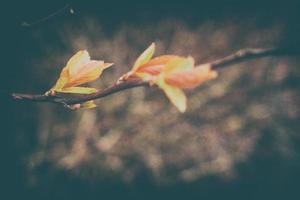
column 76, row 62
column 63, row 79
column 88, row 104
column 179, row 64
column 144, row 57
column 87, row 73
column 192, row 78
column 174, row 94
column 79, row 90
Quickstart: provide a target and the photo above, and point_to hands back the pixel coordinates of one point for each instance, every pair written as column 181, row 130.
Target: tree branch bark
column 235, row 58
column 69, row 99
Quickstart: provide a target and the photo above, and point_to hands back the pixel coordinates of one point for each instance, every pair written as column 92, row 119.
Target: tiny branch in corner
column 235, row 58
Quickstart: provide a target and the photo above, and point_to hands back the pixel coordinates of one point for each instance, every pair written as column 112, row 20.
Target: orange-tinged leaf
column 144, row 76
column 158, row 63
column 192, row 78
column 89, row 72
column 79, row 90
column 179, row 64
column 154, row 67
column 76, row 62
column 151, row 70
column 79, row 70
column 144, row 57
column 107, row 65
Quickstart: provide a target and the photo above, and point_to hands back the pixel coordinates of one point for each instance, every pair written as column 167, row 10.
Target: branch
column 69, row 99
column 250, row 54
column 235, row 58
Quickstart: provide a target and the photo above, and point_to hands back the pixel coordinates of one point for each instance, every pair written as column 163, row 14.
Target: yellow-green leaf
column 145, row 76
column 79, row 90
column 144, row 57
column 174, row 94
column 88, row 104
column 63, row 79
column 179, row 64
column 76, row 61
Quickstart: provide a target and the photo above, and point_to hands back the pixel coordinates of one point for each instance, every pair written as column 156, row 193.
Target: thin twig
column 235, row 58
column 250, row 54
column 57, row 12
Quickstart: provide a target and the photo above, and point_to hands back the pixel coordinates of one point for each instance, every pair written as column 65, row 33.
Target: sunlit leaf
column 63, row 79
column 144, row 57
column 192, row 78
column 79, row 90
column 153, row 70
column 79, row 70
column 160, row 61
column 145, row 76
column 107, row 65
column 76, row 62
column 87, row 73
column 174, row 94
column 88, row 104
column 179, row 64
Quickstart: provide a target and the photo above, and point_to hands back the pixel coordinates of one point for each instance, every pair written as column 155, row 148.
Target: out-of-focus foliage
column 138, row 131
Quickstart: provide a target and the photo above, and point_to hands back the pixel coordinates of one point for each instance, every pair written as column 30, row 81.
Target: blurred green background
column 239, row 138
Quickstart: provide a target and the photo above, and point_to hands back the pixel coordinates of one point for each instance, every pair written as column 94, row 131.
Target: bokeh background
column 239, row 138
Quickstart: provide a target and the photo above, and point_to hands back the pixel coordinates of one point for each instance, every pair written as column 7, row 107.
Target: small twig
column 237, row 57
column 252, row 53
column 57, row 12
